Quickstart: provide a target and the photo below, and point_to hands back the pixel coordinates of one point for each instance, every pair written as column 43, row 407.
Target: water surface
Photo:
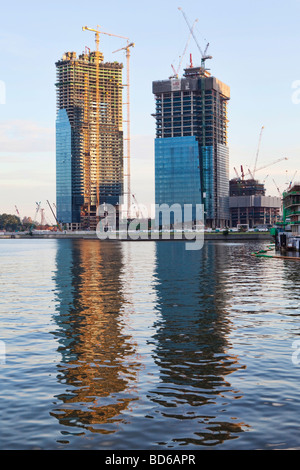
column 145, row 345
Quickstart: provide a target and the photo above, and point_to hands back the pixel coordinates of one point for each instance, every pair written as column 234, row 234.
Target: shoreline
column 262, row 236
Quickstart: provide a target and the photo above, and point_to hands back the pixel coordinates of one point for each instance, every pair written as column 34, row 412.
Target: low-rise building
column 291, row 209
column 249, row 205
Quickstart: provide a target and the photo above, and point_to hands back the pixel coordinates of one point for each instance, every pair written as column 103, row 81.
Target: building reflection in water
column 99, row 362
column 191, row 345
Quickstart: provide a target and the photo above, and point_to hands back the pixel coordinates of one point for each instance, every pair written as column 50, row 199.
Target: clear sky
column 255, row 47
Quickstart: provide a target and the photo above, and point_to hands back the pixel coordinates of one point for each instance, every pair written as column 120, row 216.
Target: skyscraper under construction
column 89, row 137
column 191, row 152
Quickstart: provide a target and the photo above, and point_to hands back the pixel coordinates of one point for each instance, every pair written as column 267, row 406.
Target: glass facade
column 192, row 112
column 177, row 173
column 208, row 181
column 63, row 168
column 222, row 181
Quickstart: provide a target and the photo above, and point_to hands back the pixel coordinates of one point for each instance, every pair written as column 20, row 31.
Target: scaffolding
column 90, row 90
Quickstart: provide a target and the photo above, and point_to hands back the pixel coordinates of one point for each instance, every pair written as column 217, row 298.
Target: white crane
column 273, row 163
column 257, row 152
column 176, row 72
column 204, row 55
column 38, row 208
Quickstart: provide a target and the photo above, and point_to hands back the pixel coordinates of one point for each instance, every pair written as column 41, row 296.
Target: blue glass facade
column 177, row 172
column 63, row 168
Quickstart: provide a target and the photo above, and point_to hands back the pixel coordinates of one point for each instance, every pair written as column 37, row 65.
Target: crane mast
column 128, row 152
column 176, row 72
column 257, row 152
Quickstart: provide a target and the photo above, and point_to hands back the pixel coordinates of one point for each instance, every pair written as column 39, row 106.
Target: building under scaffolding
column 89, row 137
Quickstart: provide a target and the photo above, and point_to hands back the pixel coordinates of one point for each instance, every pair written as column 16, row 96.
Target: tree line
column 12, row 223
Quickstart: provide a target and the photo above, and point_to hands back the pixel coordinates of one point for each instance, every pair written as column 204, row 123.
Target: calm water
column 148, row 346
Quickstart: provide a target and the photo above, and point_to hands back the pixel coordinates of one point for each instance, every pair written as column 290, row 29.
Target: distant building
column 249, row 204
column 89, row 137
column 291, row 208
column 191, row 152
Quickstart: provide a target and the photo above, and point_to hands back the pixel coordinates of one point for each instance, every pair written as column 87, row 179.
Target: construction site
column 90, row 135
column 249, row 206
column 93, row 150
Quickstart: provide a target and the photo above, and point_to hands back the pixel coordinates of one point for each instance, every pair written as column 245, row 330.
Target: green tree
column 9, row 222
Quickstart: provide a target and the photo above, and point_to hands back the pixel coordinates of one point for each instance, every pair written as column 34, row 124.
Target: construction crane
column 291, row 182
column 250, row 173
column 58, row 224
column 273, row 163
column 138, row 210
column 176, row 72
column 279, row 192
column 242, row 170
column 257, row 152
column 97, row 35
column 236, row 172
column 18, row 213
column 127, row 156
column 204, row 55
column 38, row 207
column 97, row 40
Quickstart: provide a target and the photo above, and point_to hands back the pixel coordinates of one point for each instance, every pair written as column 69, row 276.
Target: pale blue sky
column 255, row 47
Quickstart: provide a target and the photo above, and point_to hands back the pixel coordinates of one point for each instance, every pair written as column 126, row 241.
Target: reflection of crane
column 204, row 55
column 257, row 152
column 127, row 157
column 176, row 72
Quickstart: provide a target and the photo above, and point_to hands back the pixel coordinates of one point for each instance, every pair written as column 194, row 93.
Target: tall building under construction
column 89, row 137
column 191, row 152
